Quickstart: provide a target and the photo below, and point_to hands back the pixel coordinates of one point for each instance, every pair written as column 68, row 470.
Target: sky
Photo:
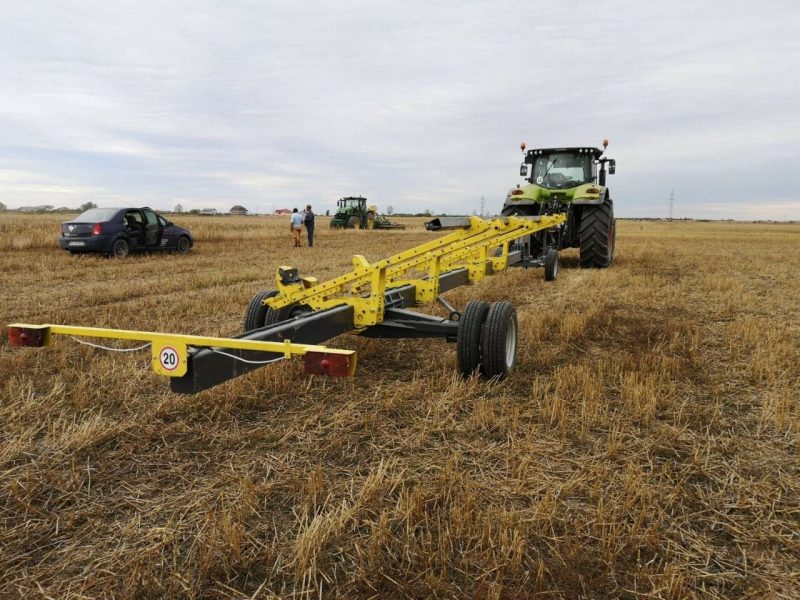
column 418, row 105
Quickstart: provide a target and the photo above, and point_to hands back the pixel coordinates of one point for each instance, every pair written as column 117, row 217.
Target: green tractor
column 568, row 180
column 353, row 213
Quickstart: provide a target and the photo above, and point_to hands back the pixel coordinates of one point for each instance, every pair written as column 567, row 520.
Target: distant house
column 283, row 211
column 238, row 210
column 208, row 211
column 40, row 208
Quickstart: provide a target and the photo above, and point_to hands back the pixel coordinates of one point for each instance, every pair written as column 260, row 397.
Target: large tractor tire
column 598, row 235
column 353, row 223
column 468, row 341
column 499, row 340
column 260, row 315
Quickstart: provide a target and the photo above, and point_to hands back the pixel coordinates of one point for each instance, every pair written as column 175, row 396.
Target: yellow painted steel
column 365, row 286
column 169, row 351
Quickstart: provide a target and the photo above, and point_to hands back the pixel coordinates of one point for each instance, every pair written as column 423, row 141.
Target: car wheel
column 120, row 249
column 183, row 244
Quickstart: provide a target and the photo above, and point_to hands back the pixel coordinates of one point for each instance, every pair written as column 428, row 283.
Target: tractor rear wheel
column 353, row 223
column 499, row 340
column 551, row 264
column 598, row 235
column 260, row 315
column 468, row 341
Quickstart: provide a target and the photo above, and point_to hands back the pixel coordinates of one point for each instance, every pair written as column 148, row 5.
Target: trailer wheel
column 468, row 341
column 260, row 315
column 499, row 340
column 551, row 264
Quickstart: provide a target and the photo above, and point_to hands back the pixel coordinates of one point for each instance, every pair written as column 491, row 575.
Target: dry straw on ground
column 647, row 445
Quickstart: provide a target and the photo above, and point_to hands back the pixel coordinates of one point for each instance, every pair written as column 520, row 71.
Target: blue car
column 120, row 231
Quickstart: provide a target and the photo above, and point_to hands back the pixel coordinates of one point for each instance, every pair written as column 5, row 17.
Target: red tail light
column 592, row 191
column 97, row 229
column 27, row 336
column 334, row 365
column 516, row 192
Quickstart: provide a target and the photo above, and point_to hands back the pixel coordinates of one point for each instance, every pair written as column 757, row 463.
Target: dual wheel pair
column 487, row 339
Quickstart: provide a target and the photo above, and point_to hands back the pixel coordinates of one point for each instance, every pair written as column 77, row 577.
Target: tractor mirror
column 523, row 170
column 612, row 167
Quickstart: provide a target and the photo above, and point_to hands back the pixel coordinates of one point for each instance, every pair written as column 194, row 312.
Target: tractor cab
column 352, row 203
column 565, row 168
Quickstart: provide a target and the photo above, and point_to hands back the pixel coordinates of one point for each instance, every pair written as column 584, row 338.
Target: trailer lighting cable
column 244, row 360
column 85, row 343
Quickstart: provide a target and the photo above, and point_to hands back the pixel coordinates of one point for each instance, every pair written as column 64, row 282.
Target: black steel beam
column 208, row 368
column 401, row 323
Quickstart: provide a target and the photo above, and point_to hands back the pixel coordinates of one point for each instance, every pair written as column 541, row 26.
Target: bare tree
column 390, row 210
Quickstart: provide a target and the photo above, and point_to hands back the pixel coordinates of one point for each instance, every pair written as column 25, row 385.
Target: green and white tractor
column 571, row 181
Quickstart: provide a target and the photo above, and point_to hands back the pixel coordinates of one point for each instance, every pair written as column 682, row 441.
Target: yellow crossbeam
column 170, row 350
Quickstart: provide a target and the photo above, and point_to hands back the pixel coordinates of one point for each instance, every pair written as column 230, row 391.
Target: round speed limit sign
column 168, row 357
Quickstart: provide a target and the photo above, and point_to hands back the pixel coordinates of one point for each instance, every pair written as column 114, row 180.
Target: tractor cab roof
column 595, row 152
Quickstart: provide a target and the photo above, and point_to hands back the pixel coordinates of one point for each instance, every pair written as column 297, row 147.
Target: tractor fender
column 593, row 200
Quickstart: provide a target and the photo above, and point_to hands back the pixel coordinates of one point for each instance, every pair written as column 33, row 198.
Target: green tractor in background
column 353, row 213
column 567, row 180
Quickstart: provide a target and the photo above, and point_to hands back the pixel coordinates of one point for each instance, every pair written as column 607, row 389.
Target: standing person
column 308, row 220
column 296, row 225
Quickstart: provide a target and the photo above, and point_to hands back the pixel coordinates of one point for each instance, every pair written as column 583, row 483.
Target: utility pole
column 671, row 202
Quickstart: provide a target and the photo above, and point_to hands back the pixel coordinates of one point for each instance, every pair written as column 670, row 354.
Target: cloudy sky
column 419, row 105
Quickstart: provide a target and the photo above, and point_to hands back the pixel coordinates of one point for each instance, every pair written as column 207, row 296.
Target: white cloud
column 419, row 105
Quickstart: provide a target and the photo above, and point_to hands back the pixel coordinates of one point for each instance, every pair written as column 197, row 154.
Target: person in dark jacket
column 308, row 221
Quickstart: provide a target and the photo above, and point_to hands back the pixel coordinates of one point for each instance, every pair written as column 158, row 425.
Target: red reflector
column 516, row 192
column 21, row 336
column 592, row 191
column 326, row 363
column 97, row 229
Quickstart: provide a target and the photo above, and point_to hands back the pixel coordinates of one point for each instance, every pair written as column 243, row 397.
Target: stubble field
column 645, row 447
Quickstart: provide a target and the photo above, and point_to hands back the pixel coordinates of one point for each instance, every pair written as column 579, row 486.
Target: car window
column 150, row 217
column 134, row 214
column 96, row 215
column 162, row 221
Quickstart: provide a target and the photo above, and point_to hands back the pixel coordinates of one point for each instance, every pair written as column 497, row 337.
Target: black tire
column 260, row 315
column 468, row 341
column 551, row 264
column 598, row 235
column 183, row 244
column 120, row 249
column 499, row 340
column 353, row 223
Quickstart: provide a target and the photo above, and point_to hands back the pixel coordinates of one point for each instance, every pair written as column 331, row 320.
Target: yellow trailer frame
column 356, row 301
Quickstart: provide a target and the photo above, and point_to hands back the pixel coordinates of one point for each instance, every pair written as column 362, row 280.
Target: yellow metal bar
column 170, row 350
column 464, row 248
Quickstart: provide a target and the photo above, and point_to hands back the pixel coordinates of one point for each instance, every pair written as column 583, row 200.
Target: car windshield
column 562, row 170
column 96, row 215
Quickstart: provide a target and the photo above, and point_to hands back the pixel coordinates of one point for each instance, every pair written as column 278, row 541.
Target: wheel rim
column 119, row 249
column 183, row 244
column 511, row 342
